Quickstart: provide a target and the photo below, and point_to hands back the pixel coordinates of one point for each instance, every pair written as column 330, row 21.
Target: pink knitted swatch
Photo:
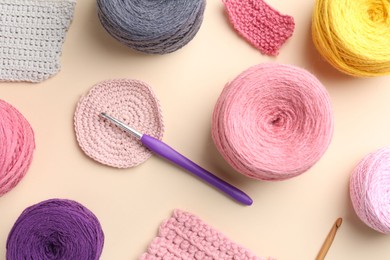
column 17, row 145
column 131, row 101
column 184, row 237
column 273, row 121
column 264, row 27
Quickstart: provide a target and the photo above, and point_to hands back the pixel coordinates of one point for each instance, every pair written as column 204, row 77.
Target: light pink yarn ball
column 132, row 102
column 273, row 122
column 17, row 145
column 370, row 190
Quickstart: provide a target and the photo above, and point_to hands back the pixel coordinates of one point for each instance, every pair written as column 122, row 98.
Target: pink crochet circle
column 17, row 145
column 273, row 122
column 131, row 101
column 369, row 190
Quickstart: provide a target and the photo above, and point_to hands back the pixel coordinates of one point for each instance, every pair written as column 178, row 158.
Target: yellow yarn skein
column 354, row 35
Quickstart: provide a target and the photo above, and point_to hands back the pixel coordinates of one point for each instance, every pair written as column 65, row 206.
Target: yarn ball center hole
column 379, row 11
column 53, row 246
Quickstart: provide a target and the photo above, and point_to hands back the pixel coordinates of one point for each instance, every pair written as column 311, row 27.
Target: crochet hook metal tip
column 170, row 154
column 118, row 123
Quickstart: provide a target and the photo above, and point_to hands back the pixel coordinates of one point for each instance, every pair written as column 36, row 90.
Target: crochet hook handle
column 170, row 154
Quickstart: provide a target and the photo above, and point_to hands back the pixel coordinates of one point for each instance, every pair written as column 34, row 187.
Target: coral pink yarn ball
column 17, row 145
column 370, row 190
column 273, row 122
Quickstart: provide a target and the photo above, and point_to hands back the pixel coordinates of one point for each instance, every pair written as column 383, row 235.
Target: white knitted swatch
column 32, row 33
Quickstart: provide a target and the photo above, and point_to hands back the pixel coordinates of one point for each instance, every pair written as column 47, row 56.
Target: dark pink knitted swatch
column 184, row 236
column 261, row 25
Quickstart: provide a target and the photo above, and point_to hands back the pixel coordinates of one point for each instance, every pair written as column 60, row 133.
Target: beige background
column 288, row 220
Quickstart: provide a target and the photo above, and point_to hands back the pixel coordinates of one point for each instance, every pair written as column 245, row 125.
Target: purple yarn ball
column 55, row 229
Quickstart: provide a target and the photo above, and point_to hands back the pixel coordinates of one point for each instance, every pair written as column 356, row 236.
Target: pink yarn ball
column 273, row 122
column 370, row 190
column 16, row 147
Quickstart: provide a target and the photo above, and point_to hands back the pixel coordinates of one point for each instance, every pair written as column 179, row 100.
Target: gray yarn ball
column 152, row 26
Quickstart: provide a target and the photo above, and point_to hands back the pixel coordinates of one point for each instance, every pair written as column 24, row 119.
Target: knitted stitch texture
column 261, row 25
column 131, row 101
column 185, row 236
column 31, row 36
column 17, row 146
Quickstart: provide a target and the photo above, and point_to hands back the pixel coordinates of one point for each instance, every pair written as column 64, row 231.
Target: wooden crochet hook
column 329, row 239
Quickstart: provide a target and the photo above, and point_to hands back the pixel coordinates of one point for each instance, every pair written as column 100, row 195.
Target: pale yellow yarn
column 354, row 35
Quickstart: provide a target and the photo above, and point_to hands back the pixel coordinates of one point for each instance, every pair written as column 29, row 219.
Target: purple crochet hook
column 170, row 154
